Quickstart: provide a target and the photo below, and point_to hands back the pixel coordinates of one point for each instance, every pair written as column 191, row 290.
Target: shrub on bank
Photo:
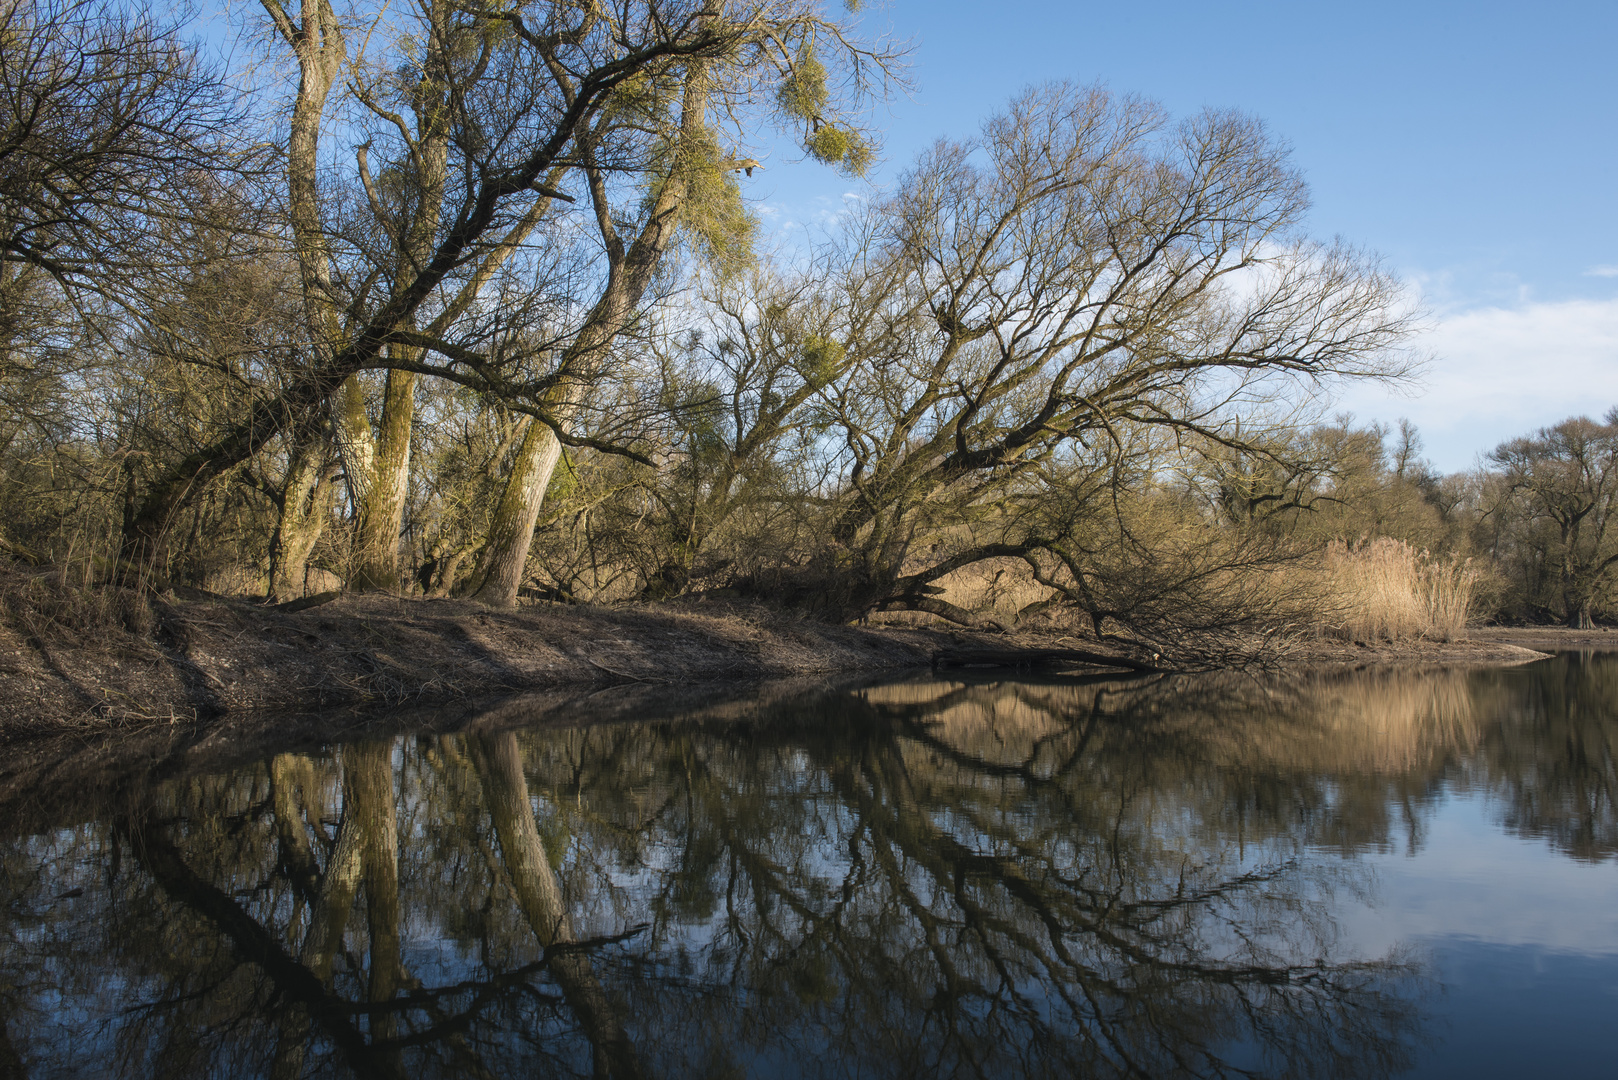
column 1385, row 589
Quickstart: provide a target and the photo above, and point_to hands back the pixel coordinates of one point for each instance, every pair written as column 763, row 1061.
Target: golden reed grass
column 1379, row 722
column 1385, row 589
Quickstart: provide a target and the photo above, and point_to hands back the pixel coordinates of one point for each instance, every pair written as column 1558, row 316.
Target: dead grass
column 59, row 605
column 1386, row 590
column 996, row 589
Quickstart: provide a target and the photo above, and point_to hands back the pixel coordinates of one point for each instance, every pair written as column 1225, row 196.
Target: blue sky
column 1475, row 146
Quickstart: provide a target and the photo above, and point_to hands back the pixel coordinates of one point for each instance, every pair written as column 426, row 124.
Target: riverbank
column 70, row 661
column 1548, row 638
column 207, row 657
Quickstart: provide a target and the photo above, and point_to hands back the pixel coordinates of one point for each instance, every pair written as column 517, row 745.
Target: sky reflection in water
column 1368, row 874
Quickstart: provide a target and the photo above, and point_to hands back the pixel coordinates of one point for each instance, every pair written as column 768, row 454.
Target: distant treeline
column 466, row 299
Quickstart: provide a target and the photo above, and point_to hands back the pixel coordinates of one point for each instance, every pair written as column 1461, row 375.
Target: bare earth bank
column 206, row 658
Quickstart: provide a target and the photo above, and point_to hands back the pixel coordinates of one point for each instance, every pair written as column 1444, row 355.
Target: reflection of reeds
column 1386, row 589
column 995, row 723
column 1384, row 722
column 1378, row 722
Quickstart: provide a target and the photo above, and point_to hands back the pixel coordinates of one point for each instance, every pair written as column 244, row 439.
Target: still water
column 1374, row 874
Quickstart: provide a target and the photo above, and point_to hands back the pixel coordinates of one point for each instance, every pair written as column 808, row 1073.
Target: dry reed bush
column 1385, row 589
column 237, row 578
column 998, row 589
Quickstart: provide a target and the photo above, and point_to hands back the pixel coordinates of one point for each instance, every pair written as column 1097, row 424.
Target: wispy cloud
column 1499, row 372
column 1604, row 270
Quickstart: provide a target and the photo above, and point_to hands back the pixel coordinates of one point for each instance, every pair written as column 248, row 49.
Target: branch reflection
column 957, row 879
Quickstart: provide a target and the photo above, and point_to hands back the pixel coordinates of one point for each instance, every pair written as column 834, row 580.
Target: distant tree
column 1336, row 481
column 1558, row 510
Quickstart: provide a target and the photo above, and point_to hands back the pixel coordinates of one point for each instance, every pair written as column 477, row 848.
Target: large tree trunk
column 505, row 554
column 305, row 510
column 380, row 499
column 511, row 533
column 380, row 479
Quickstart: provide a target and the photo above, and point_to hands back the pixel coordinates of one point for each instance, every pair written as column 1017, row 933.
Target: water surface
column 1375, row 874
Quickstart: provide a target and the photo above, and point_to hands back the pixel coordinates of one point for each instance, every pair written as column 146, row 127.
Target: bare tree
column 107, row 120
column 112, row 131
column 1561, row 488
column 1082, row 274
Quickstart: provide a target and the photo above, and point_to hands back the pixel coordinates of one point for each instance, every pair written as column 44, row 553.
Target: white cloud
column 1499, row 372
column 1604, row 270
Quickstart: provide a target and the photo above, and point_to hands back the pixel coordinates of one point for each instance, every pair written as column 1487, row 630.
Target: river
column 1369, row 874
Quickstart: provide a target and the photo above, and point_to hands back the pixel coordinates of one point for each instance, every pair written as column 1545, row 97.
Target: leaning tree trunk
column 505, row 553
column 321, row 52
column 380, row 512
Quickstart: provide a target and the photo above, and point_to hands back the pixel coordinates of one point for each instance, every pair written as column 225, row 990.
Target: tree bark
column 1579, row 616
column 304, row 512
column 511, row 532
column 380, row 511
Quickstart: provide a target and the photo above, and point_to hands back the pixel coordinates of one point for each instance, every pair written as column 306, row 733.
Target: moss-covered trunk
column 380, row 513
column 305, row 510
column 511, row 532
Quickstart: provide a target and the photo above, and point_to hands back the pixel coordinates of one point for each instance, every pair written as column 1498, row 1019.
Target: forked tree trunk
column 305, row 510
column 317, row 43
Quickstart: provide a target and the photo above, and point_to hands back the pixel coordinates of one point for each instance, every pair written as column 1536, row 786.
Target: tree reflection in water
column 933, row 879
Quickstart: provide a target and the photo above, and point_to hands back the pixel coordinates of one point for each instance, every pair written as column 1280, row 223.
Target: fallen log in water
column 1034, row 658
